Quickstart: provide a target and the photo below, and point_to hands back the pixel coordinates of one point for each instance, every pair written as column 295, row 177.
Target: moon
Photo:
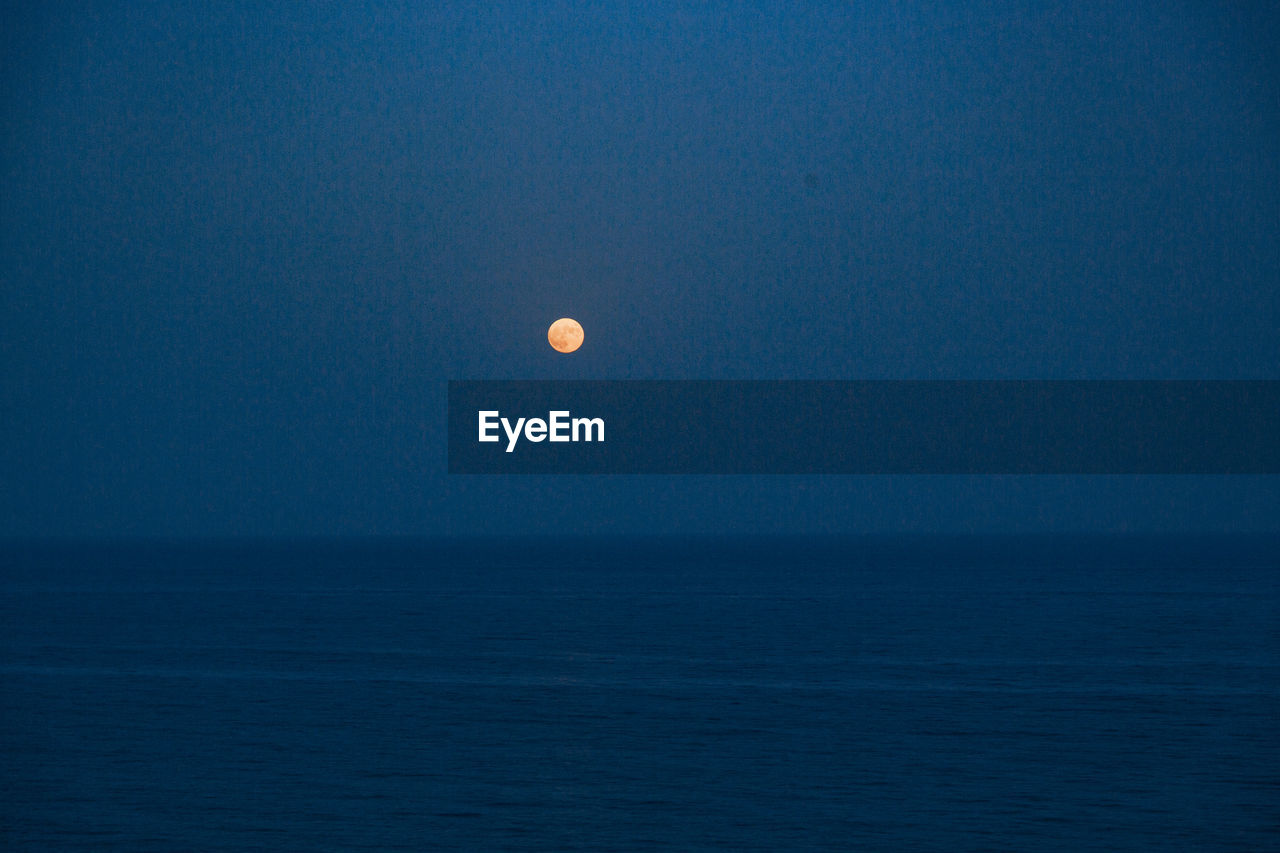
column 565, row 335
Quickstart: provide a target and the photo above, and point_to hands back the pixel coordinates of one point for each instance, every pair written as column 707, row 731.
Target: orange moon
column 565, row 335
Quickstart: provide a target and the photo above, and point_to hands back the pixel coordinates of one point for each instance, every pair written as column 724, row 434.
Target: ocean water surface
column 1055, row 693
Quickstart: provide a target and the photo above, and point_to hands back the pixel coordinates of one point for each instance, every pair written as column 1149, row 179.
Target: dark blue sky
column 245, row 246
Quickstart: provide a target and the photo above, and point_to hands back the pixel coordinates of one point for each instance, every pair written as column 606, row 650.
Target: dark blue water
column 1054, row 694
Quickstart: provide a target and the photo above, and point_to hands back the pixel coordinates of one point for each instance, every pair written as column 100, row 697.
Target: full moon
column 565, row 335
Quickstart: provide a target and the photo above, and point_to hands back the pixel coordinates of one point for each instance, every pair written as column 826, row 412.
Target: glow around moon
column 565, row 335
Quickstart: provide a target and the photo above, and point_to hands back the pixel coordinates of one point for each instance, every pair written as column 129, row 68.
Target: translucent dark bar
column 868, row 427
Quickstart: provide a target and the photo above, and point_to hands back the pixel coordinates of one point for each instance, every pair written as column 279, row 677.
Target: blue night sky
column 245, row 245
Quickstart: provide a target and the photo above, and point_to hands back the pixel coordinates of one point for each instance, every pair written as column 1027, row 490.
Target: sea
column 1060, row 693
